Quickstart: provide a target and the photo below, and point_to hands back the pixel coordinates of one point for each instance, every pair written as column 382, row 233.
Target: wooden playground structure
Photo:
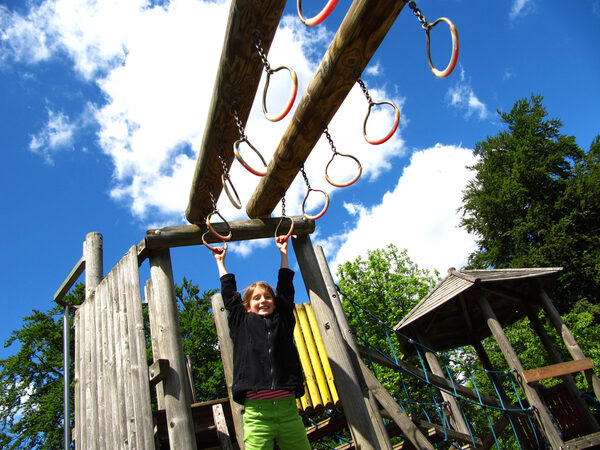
column 113, row 383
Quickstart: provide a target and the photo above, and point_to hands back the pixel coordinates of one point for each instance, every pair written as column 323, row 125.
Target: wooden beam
column 242, row 230
column 69, row 281
column 237, row 80
column 362, row 30
column 557, row 370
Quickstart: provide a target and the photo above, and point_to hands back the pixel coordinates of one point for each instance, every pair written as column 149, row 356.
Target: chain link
column 283, row 206
column 328, row 136
column 361, row 83
column 213, row 201
column 238, row 122
column 305, row 177
column 223, row 165
column 417, row 12
column 261, row 52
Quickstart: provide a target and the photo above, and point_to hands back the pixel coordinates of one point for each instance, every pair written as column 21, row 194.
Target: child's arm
column 220, row 253
column 282, row 245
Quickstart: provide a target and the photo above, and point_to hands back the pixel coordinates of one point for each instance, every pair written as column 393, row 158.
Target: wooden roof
column 449, row 315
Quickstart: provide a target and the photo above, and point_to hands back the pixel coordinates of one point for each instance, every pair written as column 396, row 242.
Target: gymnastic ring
column 394, row 126
column 235, row 201
column 320, row 17
column 291, row 98
column 213, row 231
column 287, row 236
column 453, row 58
column 348, row 183
column 212, row 249
column 317, row 216
column 236, row 150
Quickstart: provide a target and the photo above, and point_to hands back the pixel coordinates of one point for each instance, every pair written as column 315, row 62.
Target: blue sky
column 103, row 107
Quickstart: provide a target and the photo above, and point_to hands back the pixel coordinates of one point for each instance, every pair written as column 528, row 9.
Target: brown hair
column 250, row 291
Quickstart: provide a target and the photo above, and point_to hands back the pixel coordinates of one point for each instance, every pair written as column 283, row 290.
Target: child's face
column 262, row 302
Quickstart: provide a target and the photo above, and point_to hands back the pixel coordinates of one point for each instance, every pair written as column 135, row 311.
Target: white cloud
column 56, row 135
column 461, row 96
column 420, row 214
column 521, row 8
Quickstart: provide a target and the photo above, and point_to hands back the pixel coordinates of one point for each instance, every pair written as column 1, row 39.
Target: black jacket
column 264, row 354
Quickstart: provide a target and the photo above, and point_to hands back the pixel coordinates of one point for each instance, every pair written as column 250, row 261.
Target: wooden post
column 351, row 394
column 93, row 277
column 487, row 364
column 568, row 339
column 456, row 416
column 338, row 310
column 512, row 358
column 92, row 252
column 176, row 389
column 567, row 379
column 226, row 346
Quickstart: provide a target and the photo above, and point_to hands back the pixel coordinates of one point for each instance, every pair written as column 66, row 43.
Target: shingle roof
column 449, row 315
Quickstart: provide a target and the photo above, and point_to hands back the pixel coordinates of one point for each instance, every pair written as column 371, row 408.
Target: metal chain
column 213, row 201
column 283, row 206
column 361, row 83
column 223, row 165
column 261, row 52
column 328, row 136
column 417, row 12
column 305, row 177
column 238, row 122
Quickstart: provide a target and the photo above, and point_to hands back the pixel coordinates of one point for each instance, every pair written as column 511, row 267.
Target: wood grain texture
column 237, row 80
column 360, row 34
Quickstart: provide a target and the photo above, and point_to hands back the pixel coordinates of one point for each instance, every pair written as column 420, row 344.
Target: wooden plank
column 139, row 366
column 157, row 354
column 69, row 281
column 120, row 413
column 226, row 347
column 221, row 424
column 240, row 69
column 99, row 381
column 109, row 362
column 242, row 230
column 557, row 370
column 362, row 30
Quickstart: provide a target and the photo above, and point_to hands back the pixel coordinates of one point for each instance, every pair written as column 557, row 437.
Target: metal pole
column 66, row 364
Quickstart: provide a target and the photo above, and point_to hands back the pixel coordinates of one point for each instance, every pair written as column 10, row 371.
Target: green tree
column 378, row 292
column 200, row 341
column 31, row 381
column 535, row 202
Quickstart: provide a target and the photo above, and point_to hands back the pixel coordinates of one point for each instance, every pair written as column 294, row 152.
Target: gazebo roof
column 450, row 316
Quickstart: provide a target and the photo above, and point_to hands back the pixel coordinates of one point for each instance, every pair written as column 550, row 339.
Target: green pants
column 274, row 421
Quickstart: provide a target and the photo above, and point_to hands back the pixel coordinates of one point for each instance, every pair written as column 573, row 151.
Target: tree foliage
column 31, row 381
column 535, row 202
column 387, row 285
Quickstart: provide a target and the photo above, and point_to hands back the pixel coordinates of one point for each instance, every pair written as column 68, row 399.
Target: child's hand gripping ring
column 291, row 98
column 223, row 238
column 287, row 236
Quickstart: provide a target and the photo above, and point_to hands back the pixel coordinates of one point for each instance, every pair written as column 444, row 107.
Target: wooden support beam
column 158, row 371
column 242, row 230
column 557, row 370
column 237, row 80
column 69, row 282
column 360, row 34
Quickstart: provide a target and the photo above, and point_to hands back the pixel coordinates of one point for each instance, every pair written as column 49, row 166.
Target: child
column 267, row 375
